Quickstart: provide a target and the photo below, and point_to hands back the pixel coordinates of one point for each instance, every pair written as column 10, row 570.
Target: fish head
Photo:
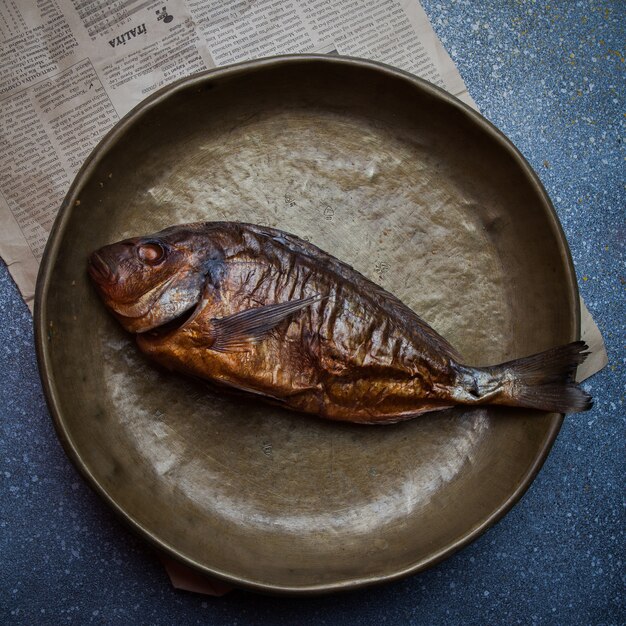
column 147, row 282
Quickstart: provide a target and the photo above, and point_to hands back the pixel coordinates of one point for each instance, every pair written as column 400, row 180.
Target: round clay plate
column 389, row 174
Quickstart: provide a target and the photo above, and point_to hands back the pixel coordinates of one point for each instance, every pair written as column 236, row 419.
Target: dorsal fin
column 394, row 306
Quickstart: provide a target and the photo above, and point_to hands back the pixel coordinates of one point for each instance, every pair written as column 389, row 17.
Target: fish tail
column 544, row 381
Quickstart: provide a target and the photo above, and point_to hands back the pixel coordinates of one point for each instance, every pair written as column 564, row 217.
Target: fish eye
column 152, row 252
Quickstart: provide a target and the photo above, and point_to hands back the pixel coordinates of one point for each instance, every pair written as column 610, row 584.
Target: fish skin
column 348, row 350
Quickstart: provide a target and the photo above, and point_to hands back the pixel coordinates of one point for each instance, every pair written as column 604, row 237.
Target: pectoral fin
column 240, row 330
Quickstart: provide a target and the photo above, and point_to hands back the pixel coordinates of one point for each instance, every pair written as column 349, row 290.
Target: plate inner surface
column 409, row 189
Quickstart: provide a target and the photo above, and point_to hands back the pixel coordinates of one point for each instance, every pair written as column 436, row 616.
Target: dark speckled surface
column 552, row 78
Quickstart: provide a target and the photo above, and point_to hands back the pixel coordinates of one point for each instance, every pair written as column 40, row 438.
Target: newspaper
column 72, row 68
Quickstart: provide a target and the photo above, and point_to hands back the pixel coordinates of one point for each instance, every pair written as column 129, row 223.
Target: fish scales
column 262, row 311
column 353, row 336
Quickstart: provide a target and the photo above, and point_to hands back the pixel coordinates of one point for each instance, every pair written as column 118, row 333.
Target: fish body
column 258, row 310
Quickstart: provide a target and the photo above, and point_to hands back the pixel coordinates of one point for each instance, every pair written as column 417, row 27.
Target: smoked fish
column 264, row 312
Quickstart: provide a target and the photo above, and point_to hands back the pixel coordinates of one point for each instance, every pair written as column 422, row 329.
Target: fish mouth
column 99, row 270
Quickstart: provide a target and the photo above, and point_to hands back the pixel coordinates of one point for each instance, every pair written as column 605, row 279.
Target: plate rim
column 50, row 254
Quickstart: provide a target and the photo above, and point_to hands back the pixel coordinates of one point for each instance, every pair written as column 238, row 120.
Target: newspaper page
column 72, row 68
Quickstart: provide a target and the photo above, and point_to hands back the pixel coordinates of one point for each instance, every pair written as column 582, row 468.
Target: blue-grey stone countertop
column 551, row 76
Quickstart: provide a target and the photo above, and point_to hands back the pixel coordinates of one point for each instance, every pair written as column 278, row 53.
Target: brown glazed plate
column 388, row 173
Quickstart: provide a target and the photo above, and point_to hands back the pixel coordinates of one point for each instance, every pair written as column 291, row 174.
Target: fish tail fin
column 545, row 381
